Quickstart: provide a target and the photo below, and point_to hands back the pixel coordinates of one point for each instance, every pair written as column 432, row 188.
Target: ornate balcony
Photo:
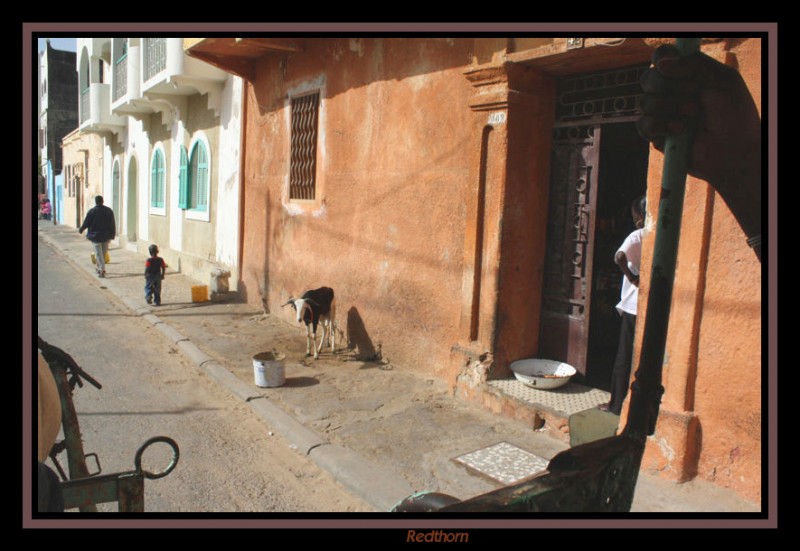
column 168, row 76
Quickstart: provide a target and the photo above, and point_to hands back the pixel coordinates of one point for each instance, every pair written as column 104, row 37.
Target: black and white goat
column 313, row 308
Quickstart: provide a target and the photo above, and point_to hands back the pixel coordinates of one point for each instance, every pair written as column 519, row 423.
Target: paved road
column 229, row 460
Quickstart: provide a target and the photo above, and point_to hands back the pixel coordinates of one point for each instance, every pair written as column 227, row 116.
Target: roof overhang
column 238, row 56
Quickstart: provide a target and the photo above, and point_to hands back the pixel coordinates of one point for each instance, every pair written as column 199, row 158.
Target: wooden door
column 564, row 334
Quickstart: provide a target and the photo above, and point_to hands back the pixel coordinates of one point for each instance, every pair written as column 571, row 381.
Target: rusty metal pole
column 59, row 361
column 646, row 391
column 76, row 458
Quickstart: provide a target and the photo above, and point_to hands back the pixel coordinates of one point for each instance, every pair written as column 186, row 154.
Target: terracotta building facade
column 464, row 198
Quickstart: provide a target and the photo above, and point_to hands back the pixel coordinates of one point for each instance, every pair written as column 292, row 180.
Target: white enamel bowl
column 543, row 374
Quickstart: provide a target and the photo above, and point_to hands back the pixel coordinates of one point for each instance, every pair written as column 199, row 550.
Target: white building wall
column 174, row 211
column 137, row 145
column 228, row 190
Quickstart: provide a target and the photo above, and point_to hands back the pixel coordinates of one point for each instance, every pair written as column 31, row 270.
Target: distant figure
column 102, row 229
column 46, row 208
column 628, row 258
column 154, row 271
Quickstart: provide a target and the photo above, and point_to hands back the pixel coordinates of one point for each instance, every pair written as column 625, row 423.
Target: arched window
column 198, row 178
column 157, row 180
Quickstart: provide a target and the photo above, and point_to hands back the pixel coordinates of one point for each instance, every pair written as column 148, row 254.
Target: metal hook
column 175, row 455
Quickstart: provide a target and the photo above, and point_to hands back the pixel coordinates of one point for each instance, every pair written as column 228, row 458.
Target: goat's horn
column 291, row 300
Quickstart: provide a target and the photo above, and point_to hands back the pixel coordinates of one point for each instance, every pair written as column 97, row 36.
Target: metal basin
column 543, row 374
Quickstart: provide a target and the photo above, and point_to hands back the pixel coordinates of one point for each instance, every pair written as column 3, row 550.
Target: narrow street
column 229, row 460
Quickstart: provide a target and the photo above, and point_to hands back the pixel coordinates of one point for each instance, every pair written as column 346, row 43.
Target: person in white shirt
column 628, row 258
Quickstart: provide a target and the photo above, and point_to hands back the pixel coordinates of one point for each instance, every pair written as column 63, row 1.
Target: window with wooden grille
column 303, row 166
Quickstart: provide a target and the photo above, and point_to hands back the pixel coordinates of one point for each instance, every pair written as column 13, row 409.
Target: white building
column 172, row 127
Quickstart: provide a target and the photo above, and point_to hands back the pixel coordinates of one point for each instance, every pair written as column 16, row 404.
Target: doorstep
column 543, row 410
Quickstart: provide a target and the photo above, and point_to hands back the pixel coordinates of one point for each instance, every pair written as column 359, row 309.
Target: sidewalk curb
column 171, row 333
column 193, row 353
column 298, row 434
column 362, row 477
column 229, row 381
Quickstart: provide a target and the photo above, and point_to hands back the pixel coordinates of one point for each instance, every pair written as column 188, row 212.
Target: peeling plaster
column 666, row 449
column 356, row 45
column 292, row 209
column 321, row 212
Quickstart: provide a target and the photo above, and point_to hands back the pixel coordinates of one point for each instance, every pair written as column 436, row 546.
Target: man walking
column 102, row 229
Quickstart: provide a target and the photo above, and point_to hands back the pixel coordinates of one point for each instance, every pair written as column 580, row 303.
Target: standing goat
column 313, row 308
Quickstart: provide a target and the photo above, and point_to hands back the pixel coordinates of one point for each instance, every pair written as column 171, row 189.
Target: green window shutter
column 154, row 182
column 202, row 179
column 183, row 194
column 157, row 179
column 198, row 178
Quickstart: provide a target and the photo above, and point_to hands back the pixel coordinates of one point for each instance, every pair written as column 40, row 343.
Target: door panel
column 570, row 235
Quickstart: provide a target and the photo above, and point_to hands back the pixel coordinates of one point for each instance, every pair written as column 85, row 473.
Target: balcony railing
column 120, row 78
column 85, row 106
column 155, row 56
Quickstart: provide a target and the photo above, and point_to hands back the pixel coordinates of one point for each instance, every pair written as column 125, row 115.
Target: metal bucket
column 268, row 369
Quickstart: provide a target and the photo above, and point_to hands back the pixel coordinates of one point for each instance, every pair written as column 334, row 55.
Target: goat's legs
column 322, row 339
column 314, row 347
column 309, row 340
column 332, row 326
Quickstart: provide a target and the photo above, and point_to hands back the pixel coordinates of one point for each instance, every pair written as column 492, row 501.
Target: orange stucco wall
column 399, row 230
column 386, row 229
column 710, row 421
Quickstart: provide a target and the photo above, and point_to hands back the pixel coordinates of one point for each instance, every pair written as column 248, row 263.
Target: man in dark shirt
column 102, row 228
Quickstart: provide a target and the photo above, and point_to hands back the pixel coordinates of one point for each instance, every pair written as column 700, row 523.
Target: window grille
column 302, row 176
column 85, row 109
column 121, row 72
column 155, row 56
column 599, row 97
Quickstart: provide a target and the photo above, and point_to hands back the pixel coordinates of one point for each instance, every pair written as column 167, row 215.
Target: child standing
column 154, row 270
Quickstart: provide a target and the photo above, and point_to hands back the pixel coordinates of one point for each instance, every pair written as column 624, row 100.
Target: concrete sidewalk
column 382, row 432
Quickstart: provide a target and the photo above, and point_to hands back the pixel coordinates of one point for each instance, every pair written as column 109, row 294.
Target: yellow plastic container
column 200, row 293
column 94, row 258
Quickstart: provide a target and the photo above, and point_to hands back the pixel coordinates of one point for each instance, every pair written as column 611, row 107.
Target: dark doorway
column 598, row 167
column 622, row 178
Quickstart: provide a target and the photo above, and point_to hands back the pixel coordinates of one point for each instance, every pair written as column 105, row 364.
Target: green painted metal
column 646, row 390
column 126, row 488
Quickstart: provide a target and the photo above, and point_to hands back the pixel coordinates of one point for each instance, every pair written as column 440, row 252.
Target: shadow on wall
column 382, row 59
column 358, row 339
